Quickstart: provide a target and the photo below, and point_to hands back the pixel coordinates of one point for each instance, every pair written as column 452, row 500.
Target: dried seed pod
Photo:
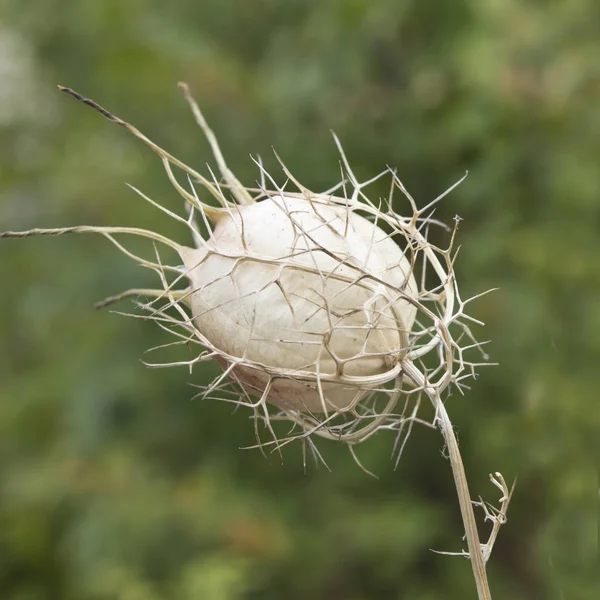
column 318, row 306
column 325, row 310
column 299, row 290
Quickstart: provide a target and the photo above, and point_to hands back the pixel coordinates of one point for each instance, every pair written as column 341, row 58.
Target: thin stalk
column 460, row 481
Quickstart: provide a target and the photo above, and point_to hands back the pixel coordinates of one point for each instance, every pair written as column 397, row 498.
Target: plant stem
column 466, row 507
column 460, row 481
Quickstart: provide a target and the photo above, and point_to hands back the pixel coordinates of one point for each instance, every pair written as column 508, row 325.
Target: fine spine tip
column 91, row 103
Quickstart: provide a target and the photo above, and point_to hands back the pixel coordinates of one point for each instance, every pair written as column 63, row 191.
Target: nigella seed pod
column 327, row 311
column 301, row 291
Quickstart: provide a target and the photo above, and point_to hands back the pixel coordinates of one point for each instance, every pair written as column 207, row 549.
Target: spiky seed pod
column 323, row 309
column 303, row 291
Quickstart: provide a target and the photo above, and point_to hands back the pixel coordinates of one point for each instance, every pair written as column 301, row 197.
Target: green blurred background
column 114, row 484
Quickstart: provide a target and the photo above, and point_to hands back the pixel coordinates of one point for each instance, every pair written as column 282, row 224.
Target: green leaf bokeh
column 113, row 482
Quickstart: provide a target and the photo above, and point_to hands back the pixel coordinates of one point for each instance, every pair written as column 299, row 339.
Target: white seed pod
column 304, row 293
column 323, row 309
column 326, row 312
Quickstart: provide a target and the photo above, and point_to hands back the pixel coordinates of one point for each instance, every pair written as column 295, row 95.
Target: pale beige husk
column 328, row 312
column 315, row 304
column 279, row 284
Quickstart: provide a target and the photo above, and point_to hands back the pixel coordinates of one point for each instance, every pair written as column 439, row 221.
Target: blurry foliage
column 113, row 483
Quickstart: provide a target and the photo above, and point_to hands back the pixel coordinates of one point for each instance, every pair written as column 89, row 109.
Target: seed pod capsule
column 304, row 293
column 310, row 304
column 325, row 310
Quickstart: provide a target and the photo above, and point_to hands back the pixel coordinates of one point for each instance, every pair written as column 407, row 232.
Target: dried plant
column 326, row 311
